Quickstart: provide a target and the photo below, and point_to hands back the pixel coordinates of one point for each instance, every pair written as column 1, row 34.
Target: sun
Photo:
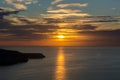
column 60, row 36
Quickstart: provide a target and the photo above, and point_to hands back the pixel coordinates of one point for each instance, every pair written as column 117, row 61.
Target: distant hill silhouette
column 10, row 57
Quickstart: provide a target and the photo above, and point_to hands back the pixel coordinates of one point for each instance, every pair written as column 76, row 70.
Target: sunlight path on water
column 60, row 71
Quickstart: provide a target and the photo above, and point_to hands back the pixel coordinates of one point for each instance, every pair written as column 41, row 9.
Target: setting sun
column 60, row 36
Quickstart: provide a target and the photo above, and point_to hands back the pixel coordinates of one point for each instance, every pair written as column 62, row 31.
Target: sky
column 59, row 22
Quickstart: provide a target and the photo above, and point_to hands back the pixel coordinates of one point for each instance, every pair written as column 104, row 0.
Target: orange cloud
column 19, row 6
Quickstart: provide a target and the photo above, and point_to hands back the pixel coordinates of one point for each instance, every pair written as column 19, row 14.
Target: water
column 66, row 63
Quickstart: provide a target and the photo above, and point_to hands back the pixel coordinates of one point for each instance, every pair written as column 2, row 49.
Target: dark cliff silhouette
column 10, row 57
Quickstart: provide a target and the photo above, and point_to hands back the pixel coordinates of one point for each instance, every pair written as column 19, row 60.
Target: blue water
column 66, row 63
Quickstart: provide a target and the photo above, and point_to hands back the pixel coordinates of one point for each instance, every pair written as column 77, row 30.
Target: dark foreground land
column 10, row 57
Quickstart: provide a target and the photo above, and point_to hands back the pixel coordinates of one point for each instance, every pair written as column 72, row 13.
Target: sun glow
column 60, row 37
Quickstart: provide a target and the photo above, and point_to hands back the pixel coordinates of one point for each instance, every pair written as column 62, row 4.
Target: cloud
column 103, row 35
column 62, row 16
column 9, row 1
column 21, row 4
column 72, row 5
column 56, row 1
column 30, row 29
column 25, row 29
column 17, row 4
column 63, row 11
column 22, row 20
column 102, row 19
column 100, row 38
column 7, row 11
column 85, row 27
column 113, row 8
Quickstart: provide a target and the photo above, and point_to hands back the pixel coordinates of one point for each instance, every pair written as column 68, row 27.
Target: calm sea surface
column 66, row 63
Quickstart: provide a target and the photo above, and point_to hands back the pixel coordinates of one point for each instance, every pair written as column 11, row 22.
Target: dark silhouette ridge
column 10, row 57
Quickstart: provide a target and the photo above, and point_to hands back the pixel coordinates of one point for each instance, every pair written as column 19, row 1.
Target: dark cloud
column 104, row 32
column 7, row 12
column 105, row 35
column 98, row 17
column 51, row 20
column 4, row 23
column 101, row 19
column 25, row 32
column 104, row 20
column 27, row 20
column 84, row 27
column 86, row 19
column 22, row 28
column 101, row 38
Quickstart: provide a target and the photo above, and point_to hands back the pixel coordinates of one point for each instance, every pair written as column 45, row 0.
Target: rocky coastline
column 11, row 57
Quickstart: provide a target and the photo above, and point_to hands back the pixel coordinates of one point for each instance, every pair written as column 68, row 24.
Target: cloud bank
column 67, row 19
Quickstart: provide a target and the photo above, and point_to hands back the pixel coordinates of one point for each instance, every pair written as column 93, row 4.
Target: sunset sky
column 59, row 22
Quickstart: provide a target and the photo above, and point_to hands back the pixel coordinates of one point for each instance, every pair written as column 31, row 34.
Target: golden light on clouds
column 58, row 23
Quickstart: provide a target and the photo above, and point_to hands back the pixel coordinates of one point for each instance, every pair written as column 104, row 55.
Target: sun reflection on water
column 60, row 72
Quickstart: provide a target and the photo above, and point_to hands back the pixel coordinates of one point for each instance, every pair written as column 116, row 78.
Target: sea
column 66, row 63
